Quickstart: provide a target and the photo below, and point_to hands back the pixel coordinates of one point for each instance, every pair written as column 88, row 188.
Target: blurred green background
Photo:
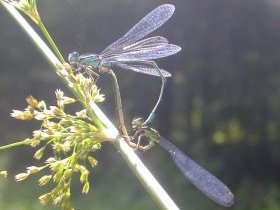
column 221, row 107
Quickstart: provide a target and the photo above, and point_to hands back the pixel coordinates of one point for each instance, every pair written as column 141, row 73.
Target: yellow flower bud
column 4, row 173
column 45, row 199
column 85, row 188
column 44, row 180
column 22, row 176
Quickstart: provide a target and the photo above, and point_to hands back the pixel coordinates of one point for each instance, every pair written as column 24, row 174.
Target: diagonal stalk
column 142, row 173
column 50, row 40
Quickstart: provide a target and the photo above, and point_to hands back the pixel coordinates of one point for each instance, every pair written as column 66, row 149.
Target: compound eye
column 73, row 57
column 137, row 123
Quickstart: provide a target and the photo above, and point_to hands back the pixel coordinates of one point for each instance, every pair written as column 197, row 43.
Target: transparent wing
column 155, row 41
column 148, row 24
column 202, row 179
column 144, row 54
column 144, row 68
column 151, row 42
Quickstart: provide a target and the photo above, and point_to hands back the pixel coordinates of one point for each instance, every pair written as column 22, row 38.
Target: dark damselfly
column 131, row 54
column 207, row 183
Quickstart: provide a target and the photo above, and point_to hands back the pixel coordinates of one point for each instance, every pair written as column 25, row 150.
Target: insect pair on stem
column 142, row 130
column 131, row 54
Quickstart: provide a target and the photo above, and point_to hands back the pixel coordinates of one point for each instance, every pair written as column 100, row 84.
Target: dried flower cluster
column 71, row 138
column 64, row 142
column 29, row 7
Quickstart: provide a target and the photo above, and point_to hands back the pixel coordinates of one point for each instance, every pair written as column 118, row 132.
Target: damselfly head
column 73, row 58
column 137, row 123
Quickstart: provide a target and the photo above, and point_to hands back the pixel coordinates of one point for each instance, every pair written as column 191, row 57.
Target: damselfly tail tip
column 229, row 200
column 170, row 6
column 179, row 48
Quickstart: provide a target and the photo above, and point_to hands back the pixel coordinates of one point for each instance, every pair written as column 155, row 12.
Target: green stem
column 143, row 174
column 91, row 113
column 9, row 146
column 51, row 42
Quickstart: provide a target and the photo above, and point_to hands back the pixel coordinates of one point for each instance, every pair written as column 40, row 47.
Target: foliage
column 71, row 138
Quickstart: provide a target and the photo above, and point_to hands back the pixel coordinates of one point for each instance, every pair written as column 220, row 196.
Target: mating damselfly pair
column 133, row 53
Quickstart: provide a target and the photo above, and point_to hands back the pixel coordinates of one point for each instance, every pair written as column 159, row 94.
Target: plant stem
column 142, row 173
column 51, row 42
column 9, row 146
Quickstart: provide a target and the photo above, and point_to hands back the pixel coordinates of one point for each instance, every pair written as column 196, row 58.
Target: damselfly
column 131, row 54
column 207, row 183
